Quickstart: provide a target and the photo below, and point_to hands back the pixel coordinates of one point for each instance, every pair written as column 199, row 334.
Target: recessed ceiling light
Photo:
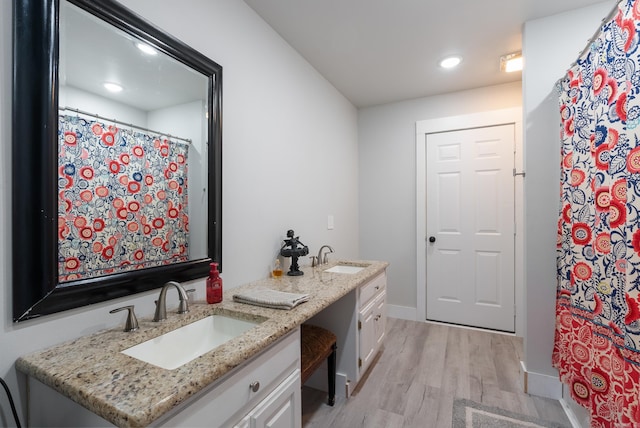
column 112, row 87
column 450, row 62
column 146, row 48
column 511, row 62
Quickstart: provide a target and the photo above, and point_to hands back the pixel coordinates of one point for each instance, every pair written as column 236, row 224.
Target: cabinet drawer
column 371, row 288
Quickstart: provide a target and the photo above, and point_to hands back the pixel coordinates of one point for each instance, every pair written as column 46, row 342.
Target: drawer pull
column 377, row 287
column 255, row 386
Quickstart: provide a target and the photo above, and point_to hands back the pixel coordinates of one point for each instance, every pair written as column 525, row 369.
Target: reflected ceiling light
column 511, row 62
column 146, row 48
column 112, row 87
column 450, row 62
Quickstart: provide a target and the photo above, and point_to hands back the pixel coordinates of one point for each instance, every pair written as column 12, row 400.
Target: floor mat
column 469, row 414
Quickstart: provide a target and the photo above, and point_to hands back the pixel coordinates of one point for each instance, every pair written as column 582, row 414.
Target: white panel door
column 470, row 227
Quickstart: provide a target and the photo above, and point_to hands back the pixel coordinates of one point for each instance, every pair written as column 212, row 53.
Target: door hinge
column 359, row 362
column 359, row 325
column 518, row 173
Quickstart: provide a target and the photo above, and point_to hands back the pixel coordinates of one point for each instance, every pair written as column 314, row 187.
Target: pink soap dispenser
column 214, row 285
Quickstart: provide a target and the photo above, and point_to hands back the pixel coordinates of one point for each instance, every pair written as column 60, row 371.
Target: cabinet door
column 367, row 336
column 380, row 319
column 280, row 409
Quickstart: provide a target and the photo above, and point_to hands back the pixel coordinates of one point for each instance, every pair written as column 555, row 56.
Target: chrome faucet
column 161, row 304
column 323, row 260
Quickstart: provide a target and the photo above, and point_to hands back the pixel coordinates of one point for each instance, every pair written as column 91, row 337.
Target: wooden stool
column 316, row 344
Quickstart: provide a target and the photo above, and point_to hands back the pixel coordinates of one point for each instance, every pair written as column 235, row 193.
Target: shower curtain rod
column 122, row 123
column 610, row 16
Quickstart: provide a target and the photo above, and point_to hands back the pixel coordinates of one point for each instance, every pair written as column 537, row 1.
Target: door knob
column 432, row 239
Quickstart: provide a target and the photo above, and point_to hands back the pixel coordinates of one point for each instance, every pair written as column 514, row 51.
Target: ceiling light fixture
column 450, row 62
column 112, row 87
column 511, row 62
column 146, row 48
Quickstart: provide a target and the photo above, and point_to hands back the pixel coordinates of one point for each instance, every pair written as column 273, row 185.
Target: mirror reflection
column 132, row 170
column 127, row 189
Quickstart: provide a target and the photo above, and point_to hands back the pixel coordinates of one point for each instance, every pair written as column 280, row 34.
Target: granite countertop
column 128, row 392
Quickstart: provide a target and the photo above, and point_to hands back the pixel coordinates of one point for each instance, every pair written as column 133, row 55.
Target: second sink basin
column 349, row 269
column 178, row 347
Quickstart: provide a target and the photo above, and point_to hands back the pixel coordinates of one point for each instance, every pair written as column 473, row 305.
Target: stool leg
column 331, row 366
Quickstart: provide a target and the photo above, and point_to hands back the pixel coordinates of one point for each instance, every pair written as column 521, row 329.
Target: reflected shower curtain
column 597, row 337
column 122, row 201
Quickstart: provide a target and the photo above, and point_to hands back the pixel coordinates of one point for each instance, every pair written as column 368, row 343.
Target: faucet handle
column 314, row 261
column 132, row 321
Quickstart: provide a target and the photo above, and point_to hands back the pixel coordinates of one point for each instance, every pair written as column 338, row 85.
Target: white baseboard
column 523, row 377
column 550, row 387
column 318, row 380
column 343, row 385
column 575, row 423
column 402, row 312
column 578, row 415
column 540, row 384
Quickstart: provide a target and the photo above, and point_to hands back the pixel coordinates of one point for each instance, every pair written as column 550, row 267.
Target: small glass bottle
column 276, row 272
column 214, row 285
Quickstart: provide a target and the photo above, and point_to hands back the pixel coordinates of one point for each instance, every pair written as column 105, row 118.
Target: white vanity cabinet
column 358, row 319
column 372, row 319
column 261, row 390
column 263, row 393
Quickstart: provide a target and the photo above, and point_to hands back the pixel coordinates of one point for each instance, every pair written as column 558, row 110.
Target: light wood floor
column 420, row 371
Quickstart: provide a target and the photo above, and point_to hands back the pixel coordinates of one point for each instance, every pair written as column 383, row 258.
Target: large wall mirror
column 117, row 156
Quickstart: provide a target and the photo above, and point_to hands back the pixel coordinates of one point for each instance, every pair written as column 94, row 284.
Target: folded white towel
column 270, row 298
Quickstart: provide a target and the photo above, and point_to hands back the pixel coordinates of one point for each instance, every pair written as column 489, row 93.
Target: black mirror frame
column 36, row 291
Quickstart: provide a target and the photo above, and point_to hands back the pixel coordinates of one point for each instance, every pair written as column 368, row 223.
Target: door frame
column 457, row 123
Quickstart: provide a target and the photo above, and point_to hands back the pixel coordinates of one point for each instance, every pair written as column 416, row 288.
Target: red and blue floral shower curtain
column 122, row 199
column 597, row 337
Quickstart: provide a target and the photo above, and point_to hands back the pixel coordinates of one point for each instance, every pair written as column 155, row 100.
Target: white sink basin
column 178, row 347
column 345, row 269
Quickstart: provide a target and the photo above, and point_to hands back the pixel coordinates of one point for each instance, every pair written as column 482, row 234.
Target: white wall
column 550, row 45
column 387, row 140
column 290, row 141
column 73, row 97
column 290, row 159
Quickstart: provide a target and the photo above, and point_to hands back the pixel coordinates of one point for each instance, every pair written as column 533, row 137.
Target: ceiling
column 381, row 51
column 93, row 52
